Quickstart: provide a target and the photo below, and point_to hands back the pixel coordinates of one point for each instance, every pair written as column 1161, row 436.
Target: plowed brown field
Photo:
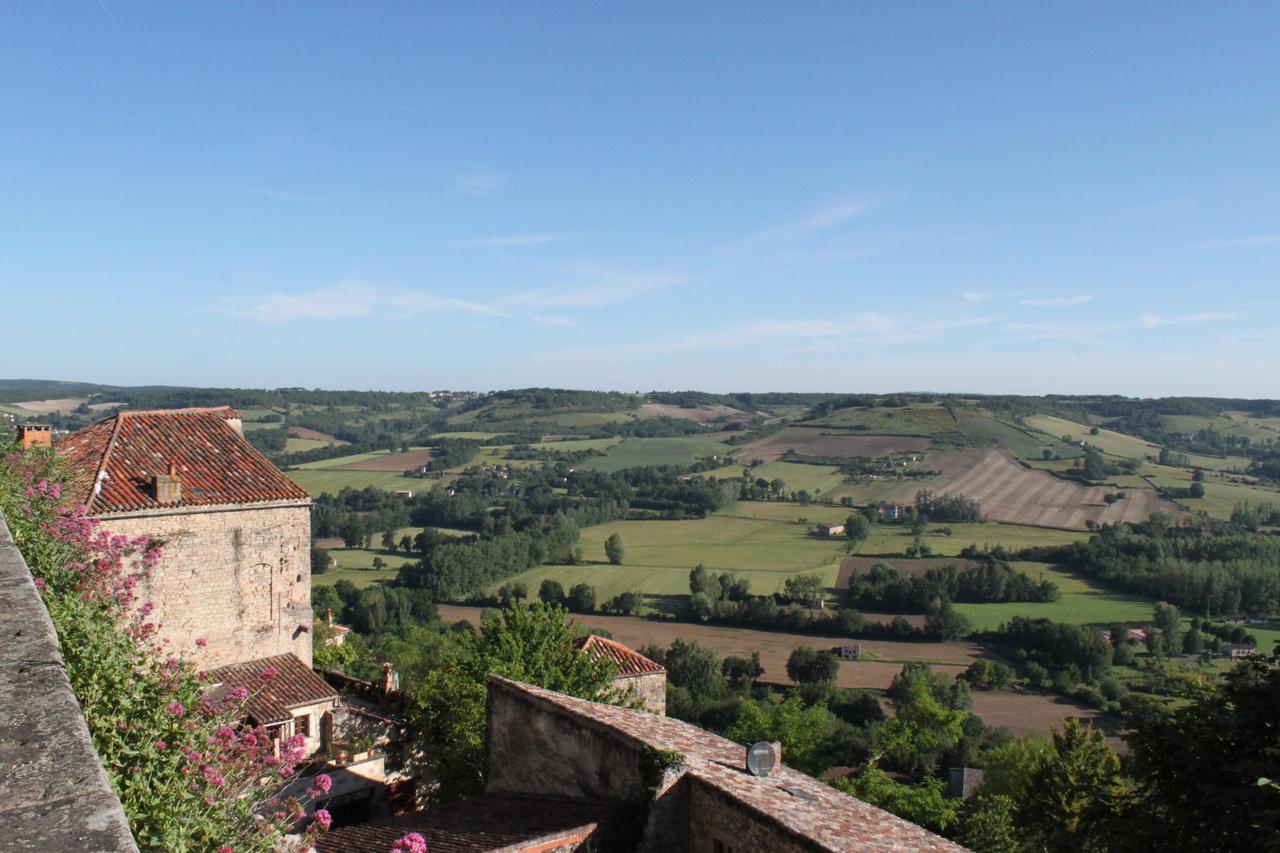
column 1013, row 494
column 813, row 442
column 702, row 414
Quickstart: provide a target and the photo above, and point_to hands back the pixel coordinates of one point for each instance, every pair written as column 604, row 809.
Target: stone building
column 566, row 774
column 284, row 695
column 642, row 681
column 236, row 532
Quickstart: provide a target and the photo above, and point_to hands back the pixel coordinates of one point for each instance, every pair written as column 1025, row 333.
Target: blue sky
column 1021, row 197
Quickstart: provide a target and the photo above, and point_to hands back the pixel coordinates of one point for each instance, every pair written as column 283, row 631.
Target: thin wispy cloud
column 479, row 181
column 354, row 298
column 508, row 240
column 346, row 300
column 1152, row 321
column 821, row 219
column 1243, row 242
column 278, row 195
column 1058, row 301
column 973, row 296
column 607, row 288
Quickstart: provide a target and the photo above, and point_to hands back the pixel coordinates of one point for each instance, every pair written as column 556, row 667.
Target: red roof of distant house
column 629, row 661
column 271, row 698
column 214, row 462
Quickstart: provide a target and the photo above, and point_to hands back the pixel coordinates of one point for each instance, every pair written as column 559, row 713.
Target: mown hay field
column 701, row 414
column 1009, row 492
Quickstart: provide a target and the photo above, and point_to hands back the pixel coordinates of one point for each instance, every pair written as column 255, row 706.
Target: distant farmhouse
column 643, row 682
column 830, row 530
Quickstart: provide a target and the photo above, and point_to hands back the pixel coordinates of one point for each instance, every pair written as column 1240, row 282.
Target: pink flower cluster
column 221, row 762
column 411, row 843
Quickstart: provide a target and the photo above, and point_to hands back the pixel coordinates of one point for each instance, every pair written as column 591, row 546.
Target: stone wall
column 648, row 692
column 54, row 794
column 239, row 578
column 714, row 816
column 535, row 748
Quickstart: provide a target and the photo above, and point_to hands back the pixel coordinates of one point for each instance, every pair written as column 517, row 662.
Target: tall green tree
column 529, row 643
column 801, row 730
column 613, row 549
column 1076, row 799
column 1208, row 769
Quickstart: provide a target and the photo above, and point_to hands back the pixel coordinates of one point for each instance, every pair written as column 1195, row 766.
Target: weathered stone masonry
column 54, row 793
column 239, row 577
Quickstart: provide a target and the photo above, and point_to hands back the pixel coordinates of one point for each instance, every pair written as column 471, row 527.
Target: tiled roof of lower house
column 213, row 461
column 797, row 803
column 477, row 825
column 628, row 660
column 276, row 686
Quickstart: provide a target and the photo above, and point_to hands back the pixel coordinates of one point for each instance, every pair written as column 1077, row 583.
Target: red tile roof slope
column 215, row 463
column 628, row 660
column 826, row 817
column 479, row 824
column 293, row 685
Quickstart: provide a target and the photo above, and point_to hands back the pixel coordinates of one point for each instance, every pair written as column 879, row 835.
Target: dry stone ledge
column 54, row 793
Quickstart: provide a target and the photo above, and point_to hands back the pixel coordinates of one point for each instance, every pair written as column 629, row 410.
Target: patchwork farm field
column 921, row 419
column 388, row 462
column 1030, row 445
column 1023, row 713
column 634, row 452
column 815, row 442
column 318, row 481
column 1011, row 493
column 1108, row 441
column 701, row 414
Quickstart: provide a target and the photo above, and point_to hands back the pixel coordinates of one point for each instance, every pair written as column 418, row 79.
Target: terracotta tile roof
column 484, row 823
column 628, row 660
column 215, row 464
column 271, row 698
column 798, row 803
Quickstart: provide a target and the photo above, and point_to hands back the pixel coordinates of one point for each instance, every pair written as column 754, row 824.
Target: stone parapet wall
column 54, row 793
column 238, row 577
column 647, row 692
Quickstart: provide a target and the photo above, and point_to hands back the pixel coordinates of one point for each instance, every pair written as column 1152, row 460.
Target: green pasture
column 318, row 481
column 660, row 555
column 360, row 577
column 1083, row 602
column 341, row 460
column 1024, row 443
column 916, row 419
column 1229, row 423
column 896, row 538
column 635, row 452
column 1108, row 441
column 815, row 479
column 295, row 445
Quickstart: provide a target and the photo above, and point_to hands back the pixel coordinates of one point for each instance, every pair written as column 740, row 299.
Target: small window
column 303, row 725
column 721, row 846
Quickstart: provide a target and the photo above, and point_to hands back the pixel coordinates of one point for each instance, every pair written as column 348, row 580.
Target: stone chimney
column 35, row 435
column 168, row 487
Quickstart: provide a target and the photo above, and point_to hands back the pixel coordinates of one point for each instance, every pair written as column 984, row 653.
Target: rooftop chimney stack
column 168, row 486
column 35, row 435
